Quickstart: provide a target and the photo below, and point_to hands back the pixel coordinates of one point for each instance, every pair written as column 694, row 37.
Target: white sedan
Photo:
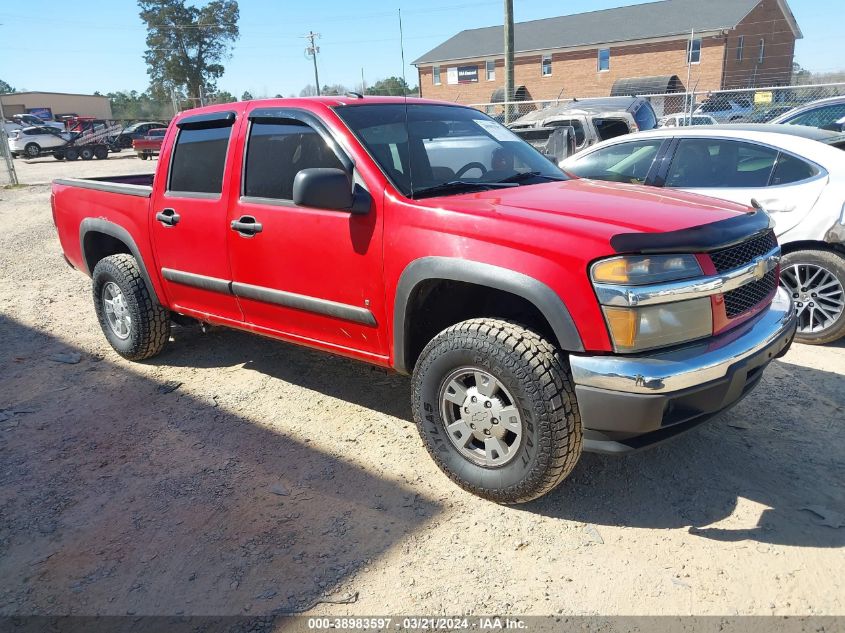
column 35, row 141
column 796, row 173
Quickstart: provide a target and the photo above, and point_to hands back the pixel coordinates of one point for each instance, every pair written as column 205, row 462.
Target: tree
column 334, row 89
column 5, row 88
column 308, row 91
column 246, row 96
column 800, row 75
column 224, row 96
column 186, row 45
column 135, row 105
column 392, row 86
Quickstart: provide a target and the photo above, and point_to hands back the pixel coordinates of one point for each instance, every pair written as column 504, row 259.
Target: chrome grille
column 743, row 253
column 750, row 295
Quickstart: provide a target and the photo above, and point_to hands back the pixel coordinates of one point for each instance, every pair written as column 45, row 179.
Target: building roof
column 665, row 18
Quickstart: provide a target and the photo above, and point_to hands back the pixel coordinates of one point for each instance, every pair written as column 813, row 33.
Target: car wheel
column 86, row 153
column 71, row 153
column 142, row 156
column 101, row 152
column 59, row 155
column 32, row 150
column 816, row 281
column 135, row 324
column 495, row 407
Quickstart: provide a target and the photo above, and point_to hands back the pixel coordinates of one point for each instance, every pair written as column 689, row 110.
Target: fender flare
column 546, row 300
column 98, row 225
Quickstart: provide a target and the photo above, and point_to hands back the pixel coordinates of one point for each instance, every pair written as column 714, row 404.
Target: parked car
column 725, row 110
column 682, row 119
column 32, row 142
column 30, row 120
column 592, row 120
column 824, row 113
column 136, row 130
column 149, row 145
column 795, row 173
column 765, row 115
column 537, row 316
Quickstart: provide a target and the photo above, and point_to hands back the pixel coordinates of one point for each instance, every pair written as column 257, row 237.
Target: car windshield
column 438, row 149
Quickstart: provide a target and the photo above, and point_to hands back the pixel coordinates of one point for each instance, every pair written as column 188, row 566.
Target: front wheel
column 32, row 150
column 135, row 324
column 495, row 407
column 816, row 281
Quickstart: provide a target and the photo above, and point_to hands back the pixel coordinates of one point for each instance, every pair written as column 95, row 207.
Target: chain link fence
column 754, row 105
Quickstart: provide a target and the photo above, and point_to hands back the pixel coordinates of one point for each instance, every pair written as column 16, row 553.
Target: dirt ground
column 238, row 475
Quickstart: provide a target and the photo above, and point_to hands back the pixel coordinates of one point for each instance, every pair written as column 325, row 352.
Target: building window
column 740, row 48
column 604, row 59
column 546, row 66
column 491, row 70
column 436, row 75
column 762, row 57
column 694, row 51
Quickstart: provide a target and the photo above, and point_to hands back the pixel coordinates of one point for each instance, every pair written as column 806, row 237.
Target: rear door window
column 722, row 163
column 791, row 169
column 610, row 128
column 623, row 162
column 820, row 117
column 199, row 158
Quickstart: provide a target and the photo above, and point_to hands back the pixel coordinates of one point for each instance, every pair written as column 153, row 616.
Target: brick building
column 730, row 44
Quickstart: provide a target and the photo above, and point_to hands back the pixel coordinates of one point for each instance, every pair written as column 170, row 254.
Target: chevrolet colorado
column 537, row 315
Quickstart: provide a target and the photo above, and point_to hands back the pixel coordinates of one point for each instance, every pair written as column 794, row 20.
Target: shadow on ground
column 118, row 497
column 782, row 447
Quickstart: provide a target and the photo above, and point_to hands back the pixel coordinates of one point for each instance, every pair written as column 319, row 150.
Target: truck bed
column 132, row 184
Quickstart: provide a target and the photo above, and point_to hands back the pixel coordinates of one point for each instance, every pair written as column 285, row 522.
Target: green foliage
column 334, row 89
column 246, row 96
column 392, row 86
column 186, row 45
column 224, row 96
column 5, row 88
column 135, row 105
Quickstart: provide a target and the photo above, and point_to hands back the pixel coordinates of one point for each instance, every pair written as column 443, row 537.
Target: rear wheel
column 135, row 324
column 59, row 155
column 816, row 281
column 86, row 153
column 495, row 407
column 71, row 153
column 32, row 150
column 101, row 152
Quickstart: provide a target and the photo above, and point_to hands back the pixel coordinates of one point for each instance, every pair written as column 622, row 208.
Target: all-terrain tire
column 149, row 328
column 536, row 375
column 834, row 264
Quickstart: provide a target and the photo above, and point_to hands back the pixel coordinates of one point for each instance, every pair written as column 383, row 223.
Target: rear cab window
column 199, row 155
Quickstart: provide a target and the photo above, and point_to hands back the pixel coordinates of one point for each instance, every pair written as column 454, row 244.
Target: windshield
column 444, row 145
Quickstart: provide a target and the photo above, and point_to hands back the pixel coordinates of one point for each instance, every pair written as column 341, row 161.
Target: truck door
column 313, row 275
column 188, row 227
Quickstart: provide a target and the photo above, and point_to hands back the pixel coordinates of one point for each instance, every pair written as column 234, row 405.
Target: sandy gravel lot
column 237, row 475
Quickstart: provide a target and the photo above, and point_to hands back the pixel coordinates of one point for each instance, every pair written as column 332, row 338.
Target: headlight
column 636, row 328
column 648, row 327
column 638, row 270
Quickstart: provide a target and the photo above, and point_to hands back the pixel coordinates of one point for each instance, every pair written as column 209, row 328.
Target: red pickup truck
column 149, row 145
column 538, row 315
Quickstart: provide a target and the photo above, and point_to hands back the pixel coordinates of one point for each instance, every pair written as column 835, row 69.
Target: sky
column 98, row 45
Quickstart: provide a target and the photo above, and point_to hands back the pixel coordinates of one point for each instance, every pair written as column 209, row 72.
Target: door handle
column 246, row 226
column 168, row 217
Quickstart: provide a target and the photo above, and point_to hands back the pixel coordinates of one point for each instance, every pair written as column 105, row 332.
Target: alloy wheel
column 818, row 295
column 117, row 311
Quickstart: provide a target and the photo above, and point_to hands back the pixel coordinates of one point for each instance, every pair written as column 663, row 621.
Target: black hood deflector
column 696, row 239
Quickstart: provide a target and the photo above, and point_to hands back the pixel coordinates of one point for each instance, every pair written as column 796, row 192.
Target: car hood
column 593, row 209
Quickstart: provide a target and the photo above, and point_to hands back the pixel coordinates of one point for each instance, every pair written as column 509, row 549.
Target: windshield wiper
column 527, row 175
column 456, row 186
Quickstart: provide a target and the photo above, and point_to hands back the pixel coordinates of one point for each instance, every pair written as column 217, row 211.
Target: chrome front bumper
column 624, row 397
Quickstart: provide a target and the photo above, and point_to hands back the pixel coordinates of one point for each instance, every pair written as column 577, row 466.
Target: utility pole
column 689, row 73
column 509, row 88
column 7, row 154
column 363, row 82
column 312, row 51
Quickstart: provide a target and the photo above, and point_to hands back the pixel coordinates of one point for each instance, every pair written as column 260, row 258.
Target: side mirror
column 329, row 188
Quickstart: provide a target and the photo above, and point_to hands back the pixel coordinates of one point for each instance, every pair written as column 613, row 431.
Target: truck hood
column 594, row 209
